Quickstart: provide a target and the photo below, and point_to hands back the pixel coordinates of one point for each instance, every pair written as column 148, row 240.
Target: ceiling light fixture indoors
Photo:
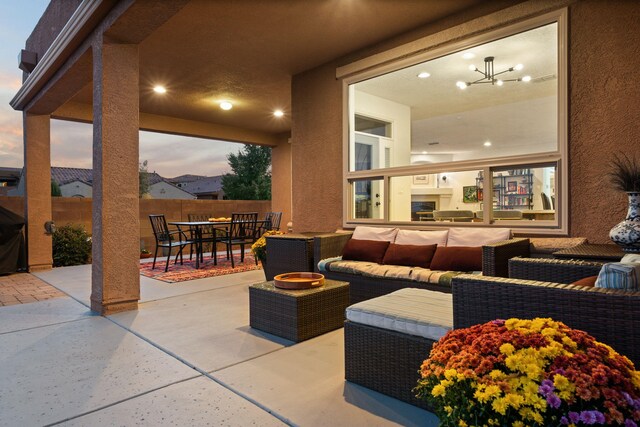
column 424, row 75
column 159, row 89
column 226, row 105
column 278, row 113
column 489, row 75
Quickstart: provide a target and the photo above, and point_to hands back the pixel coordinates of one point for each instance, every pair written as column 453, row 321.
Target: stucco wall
column 50, row 24
column 604, row 56
column 604, row 52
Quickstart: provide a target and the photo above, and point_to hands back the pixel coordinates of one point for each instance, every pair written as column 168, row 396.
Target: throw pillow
column 459, row 236
column 365, row 250
column 422, row 237
column 617, row 275
column 630, row 259
column 586, row 281
column 375, row 233
column 409, row 255
column 457, row 258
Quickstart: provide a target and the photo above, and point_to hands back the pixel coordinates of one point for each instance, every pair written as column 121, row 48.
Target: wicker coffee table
column 298, row 315
column 592, row 252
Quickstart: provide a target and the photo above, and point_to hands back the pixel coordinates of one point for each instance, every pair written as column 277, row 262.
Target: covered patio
column 187, row 356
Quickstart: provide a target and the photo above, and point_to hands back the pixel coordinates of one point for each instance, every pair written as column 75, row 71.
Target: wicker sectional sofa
column 364, row 287
column 611, row 316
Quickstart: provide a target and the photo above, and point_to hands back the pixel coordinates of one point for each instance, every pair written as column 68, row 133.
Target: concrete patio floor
column 187, row 356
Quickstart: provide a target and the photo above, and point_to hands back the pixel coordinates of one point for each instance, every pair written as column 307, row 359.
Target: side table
column 591, row 252
column 291, row 252
column 298, row 315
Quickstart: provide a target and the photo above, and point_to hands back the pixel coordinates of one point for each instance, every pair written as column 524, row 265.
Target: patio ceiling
column 247, row 51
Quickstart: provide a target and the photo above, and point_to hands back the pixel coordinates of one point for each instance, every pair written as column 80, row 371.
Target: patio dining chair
column 167, row 239
column 207, row 233
column 242, row 231
column 271, row 222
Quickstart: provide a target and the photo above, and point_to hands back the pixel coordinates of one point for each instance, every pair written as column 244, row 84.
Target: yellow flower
column 562, row 383
column 569, row 343
column 492, row 390
column 514, row 400
column 517, row 424
column 507, row 349
column 497, row 374
column 448, row 409
column 500, row 406
column 462, row 423
column 438, row 390
column 450, row 374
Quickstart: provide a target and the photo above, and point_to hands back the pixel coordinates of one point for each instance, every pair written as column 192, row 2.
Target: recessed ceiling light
column 487, row 143
column 226, row 105
column 424, row 75
column 468, row 55
column 424, row 152
column 159, row 89
column 278, row 113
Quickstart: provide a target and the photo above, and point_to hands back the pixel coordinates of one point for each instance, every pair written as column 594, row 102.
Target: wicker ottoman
column 298, row 315
column 387, row 358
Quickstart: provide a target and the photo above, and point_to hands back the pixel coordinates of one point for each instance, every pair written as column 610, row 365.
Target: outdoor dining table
column 198, row 226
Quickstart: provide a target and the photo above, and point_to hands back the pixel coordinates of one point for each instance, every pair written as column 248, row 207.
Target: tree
column 55, row 189
column 251, row 176
column 143, row 178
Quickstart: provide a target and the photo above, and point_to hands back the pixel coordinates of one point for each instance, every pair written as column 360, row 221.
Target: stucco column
column 115, row 277
column 37, row 190
column 281, row 181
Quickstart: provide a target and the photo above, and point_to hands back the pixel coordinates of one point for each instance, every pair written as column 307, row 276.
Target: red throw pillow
column 586, row 281
column 409, row 255
column 457, row 258
column 365, row 250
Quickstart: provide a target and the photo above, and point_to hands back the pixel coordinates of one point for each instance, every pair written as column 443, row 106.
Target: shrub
column 71, row 246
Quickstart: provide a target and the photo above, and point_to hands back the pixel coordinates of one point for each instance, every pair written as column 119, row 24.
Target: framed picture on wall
column 512, row 186
column 421, row 179
column 470, row 194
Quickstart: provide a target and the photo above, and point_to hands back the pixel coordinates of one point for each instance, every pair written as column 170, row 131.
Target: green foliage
column 251, row 177
column 71, row 246
column 55, row 189
column 143, row 178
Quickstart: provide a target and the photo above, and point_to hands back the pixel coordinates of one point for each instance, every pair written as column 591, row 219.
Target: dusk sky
column 71, row 142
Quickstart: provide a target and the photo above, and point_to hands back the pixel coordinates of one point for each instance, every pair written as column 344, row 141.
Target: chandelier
column 489, row 76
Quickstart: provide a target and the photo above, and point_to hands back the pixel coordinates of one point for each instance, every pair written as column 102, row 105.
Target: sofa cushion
column 586, row 281
column 457, row 258
column 380, row 271
column 409, row 255
column 375, row 233
column 419, row 312
column 422, row 237
column 365, row 250
column 459, row 236
column 617, row 275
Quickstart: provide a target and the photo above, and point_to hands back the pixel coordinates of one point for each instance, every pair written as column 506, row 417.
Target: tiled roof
column 64, row 175
column 210, row 184
column 186, row 178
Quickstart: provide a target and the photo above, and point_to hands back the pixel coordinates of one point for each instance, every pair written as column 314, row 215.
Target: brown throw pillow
column 586, row 281
column 409, row 255
column 365, row 250
column 457, row 258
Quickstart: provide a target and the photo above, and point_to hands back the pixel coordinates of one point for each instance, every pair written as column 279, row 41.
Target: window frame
column 421, row 51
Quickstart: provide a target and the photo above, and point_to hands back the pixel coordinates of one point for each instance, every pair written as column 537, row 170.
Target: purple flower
column 599, row 417
column 498, row 322
column 564, row 421
column 629, row 423
column 546, row 388
column 588, row 417
column 574, row 417
column 560, row 371
column 636, row 403
column 628, row 398
column 553, row 401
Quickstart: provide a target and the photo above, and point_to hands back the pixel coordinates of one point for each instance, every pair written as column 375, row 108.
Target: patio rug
column 188, row 271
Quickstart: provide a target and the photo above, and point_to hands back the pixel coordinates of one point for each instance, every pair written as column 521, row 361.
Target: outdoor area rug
column 188, row 271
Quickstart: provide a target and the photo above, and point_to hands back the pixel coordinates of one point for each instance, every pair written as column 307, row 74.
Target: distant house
column 78, row 182
column 204, row 187
column 9, row 179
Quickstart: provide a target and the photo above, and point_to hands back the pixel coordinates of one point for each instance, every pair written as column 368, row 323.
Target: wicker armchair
column 611, row 316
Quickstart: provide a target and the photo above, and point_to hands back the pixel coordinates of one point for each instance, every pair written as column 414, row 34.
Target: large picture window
column 479, row 129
